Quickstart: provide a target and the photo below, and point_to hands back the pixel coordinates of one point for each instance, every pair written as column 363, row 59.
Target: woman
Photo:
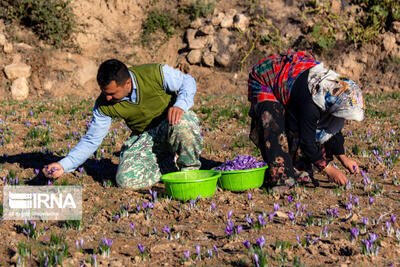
column 297, row 104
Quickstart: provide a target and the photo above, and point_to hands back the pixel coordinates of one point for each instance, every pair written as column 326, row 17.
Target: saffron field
column 356, row 225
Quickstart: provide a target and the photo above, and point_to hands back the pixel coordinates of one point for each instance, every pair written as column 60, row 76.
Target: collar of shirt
column 133, row 93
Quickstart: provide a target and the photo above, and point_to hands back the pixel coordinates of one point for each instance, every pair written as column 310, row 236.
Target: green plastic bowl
column 242, row 180
column 186, row 185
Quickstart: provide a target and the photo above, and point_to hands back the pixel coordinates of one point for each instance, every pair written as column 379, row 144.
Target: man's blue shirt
column 175, row 81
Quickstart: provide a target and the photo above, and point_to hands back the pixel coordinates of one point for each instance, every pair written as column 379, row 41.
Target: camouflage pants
column 145, row 157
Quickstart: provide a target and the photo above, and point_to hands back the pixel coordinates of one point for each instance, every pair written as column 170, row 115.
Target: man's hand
column 335, row 175
column 53, row 170
column 349, row 164
column 175, row 115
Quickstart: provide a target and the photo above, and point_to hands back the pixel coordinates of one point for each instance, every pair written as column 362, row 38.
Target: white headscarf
column 339, row 98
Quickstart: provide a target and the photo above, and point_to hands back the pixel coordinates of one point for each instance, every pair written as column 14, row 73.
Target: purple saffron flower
column 290, row 198
column 393, row 218
column 298, row 206
column 291, row 216
column 198, row 250
column 145, row 205
column 138, row 207
column 388, row 228
column 247, row 244
column 371, row 200
column 368, row 245
column 230, row 228
column 261, row 220
column 167, row 230
column 249, row 220
column 239, row 228
column 373, row 237
column 276, row 207
column 256, row 260
column 141, row 248
column 186, row 253
column 77, row 244
column 132, row 225
column 261, row 241
column 356, row 201
column 107, row 242
column 349, row 206
column 154, row 230
column 325, row 231
column 37, row 171
column 298, row 239
column 213, row 206
column 229, row 214
column 335, row 212
column 215, row 249
column 365, row 221
column 249, row 197
column 81, row 242
column 354, row 233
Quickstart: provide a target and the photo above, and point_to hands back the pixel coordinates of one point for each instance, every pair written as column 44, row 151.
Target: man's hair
column 112, row 70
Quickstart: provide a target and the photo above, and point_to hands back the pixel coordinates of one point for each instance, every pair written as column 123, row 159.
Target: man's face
column 115, row 93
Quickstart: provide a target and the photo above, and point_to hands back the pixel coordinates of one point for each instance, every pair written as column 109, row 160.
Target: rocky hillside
column 215, row 42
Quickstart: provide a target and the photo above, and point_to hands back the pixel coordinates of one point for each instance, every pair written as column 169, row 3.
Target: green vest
column 152, row 101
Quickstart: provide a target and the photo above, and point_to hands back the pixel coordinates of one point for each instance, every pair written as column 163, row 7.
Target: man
column 154, row 100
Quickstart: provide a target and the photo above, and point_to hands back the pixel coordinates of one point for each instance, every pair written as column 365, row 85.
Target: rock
column 23, row 46
column 207, row 29
column 224, row 37
column 194, row 56
column 336, row 6
column 241, row 22
column 87, row 70
column 223, row 59
column 197, row 43
column 232, row 48
column 20, row 89
column 7, row 47
column 48, row 84
column 216, row 20
column 281, row 214
column 197, row 23
column 214, row 47
column 227, row 22
column 3, row 39
column 398, row 37
column 17, row 70
column 231, row 12
column 208, row 59
column 396, row 26
column 389, row 41
column 190, row 35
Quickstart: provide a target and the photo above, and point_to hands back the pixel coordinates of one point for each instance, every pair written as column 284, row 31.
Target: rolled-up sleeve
column 183, row 84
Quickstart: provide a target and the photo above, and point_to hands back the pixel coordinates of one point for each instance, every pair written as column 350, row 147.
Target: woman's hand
column 335, row 175
column 349, row 163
